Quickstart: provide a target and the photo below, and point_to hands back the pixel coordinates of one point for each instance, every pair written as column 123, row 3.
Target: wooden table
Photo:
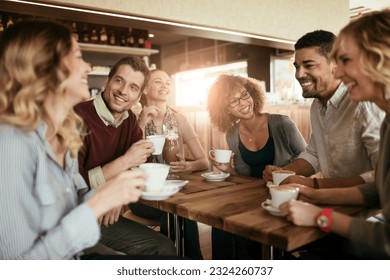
column 234, row 205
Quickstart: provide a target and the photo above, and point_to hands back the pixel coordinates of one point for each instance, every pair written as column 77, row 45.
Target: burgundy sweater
column 104, row 144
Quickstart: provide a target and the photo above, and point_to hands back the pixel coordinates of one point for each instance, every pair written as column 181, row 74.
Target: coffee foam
column 283, row 172
column 284, row 189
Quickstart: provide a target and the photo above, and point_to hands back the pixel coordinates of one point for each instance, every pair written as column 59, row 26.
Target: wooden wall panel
column 210, row 137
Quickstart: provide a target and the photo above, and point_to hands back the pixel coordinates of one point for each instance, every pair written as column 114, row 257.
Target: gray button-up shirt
column 345, row 137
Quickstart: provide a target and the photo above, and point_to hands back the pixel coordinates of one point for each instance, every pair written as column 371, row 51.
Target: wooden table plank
column 234, row 205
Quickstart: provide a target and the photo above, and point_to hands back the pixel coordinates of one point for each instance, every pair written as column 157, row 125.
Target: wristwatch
column 324, row 220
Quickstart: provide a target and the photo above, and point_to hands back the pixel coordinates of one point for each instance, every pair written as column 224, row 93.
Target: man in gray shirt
column 345, row 135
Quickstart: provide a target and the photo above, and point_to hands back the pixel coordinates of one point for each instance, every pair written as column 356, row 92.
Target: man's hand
column 138, row 153
column 267, row 173
column 299, row 180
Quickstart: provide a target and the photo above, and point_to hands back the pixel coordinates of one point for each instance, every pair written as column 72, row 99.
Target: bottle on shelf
column 122, row 40
column 10, row 22
column 148, row 43
column 85, row 34
column 75, row 31
column 94, row 37
column 141, row 41
column 103, row 36
column 1, row 26
column 112, row 38
column 130, row 38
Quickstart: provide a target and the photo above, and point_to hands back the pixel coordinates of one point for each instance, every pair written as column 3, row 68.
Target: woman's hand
column 224, row 167
column 124, row 188
column 148, row 113
column 181, row 165
column 300, row 213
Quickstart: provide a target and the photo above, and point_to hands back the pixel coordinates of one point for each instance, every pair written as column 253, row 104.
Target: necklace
column 250, row 133
column 251, row 138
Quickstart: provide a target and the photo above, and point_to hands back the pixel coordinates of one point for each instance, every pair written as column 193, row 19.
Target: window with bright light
column 191, row 87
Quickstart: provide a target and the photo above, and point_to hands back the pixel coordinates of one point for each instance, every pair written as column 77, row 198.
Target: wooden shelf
column 116, row 49
column 92, row 73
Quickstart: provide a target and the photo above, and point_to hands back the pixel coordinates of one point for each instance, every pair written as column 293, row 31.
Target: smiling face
column 314, row 72
column 244, row 109
column 122, row 90
column 158, row 87
column 360, row 86
column 77, row 89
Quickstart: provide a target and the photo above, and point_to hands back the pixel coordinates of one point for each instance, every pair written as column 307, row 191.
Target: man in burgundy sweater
column 113, row 144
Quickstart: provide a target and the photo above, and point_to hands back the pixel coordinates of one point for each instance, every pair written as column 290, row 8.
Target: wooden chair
column 152, row 223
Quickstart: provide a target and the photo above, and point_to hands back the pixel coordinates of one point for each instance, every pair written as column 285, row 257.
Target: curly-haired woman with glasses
column 257, row 139
column 235, row 107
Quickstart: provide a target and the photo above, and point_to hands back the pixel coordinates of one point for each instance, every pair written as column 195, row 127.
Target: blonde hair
column 371, row 33
column 220, row 94
column 31, row 56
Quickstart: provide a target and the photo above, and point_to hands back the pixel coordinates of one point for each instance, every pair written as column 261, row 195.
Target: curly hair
column 371, row 33
column 220, row 94
column 321, row 39
column 31, row 64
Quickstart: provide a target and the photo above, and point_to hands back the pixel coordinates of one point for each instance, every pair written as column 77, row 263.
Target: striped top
column 41, row 217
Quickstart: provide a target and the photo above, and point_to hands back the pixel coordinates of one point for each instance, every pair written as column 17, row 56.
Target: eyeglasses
column 236, row 101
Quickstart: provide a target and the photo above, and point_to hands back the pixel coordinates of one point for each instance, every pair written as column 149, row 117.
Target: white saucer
column 164, row 194
column 272, row 210
column 215, row 177
column 176, row 183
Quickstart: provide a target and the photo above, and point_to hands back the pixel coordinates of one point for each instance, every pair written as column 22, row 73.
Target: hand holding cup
column 220, row 156
column 279, row 175
column 158, row 143
column 282, row 193
column 222, row 159
column 156, row 174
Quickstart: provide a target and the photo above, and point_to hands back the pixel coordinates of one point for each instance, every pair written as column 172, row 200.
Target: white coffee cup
column 281, row 194
column 156, row 174
column 221, row 156
column 279, row 175
column 158, row 143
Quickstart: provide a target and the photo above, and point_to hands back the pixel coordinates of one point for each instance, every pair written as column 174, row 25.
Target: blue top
column 41, row 217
